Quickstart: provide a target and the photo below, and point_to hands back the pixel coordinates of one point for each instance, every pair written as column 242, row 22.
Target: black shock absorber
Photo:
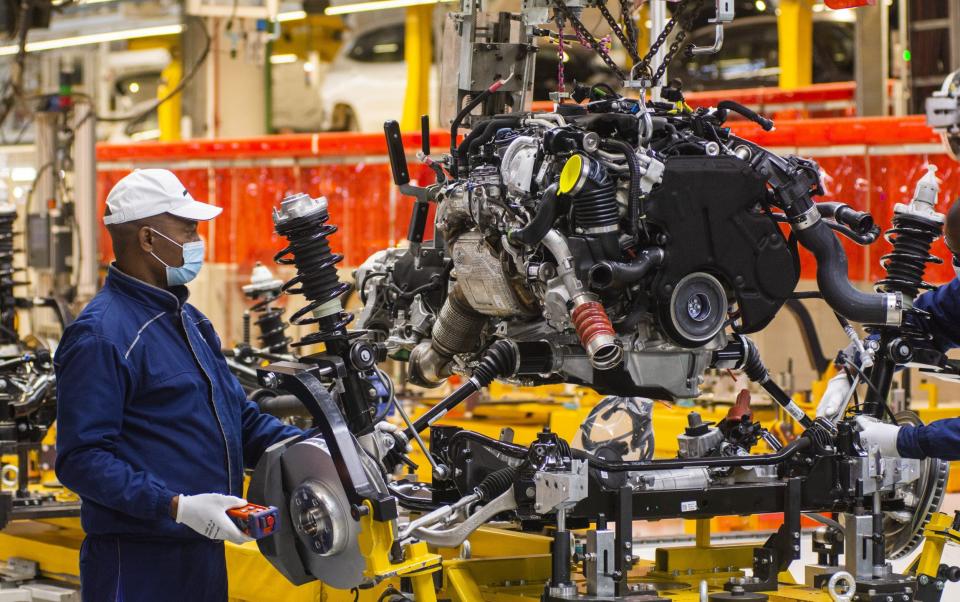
column 264, row 290
column 8, row 214
column 302, row 220
column 915, row 228
column 594, row 198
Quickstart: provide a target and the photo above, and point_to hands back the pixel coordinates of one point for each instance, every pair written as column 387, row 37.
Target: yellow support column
column 168, row 113
column 418, row 52
column 795, row 29
column 703, row 533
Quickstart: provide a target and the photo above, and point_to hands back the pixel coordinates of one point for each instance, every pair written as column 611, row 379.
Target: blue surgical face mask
column 192, row 261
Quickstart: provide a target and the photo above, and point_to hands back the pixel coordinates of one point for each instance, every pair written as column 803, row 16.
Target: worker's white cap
column 148, row 192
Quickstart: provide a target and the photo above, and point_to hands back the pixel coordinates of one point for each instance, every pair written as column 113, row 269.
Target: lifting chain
column 686, row 20
column 617, row 31
column 587, row 38
column 629, row 39
column 626, row 15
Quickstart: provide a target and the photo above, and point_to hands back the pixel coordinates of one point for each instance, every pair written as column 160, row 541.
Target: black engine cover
column 707, row 207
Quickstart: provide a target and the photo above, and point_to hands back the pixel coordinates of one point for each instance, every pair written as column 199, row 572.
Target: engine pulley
column 697, row 309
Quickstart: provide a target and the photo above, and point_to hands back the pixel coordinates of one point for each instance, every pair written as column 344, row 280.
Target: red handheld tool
column 256, row 521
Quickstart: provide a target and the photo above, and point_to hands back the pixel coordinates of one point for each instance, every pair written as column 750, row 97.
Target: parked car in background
column 373, row 60
column 750, row 56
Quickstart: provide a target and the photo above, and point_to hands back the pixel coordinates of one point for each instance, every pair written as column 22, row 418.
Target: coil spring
column 273, row 336
column 7, row 271
column 596, row 207
column 309, row 250
column 911, row 238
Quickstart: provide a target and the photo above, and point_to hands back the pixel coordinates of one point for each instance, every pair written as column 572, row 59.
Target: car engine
column 615, row 241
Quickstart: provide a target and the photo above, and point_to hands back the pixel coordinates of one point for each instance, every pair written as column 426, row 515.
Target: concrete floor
column 667, row 528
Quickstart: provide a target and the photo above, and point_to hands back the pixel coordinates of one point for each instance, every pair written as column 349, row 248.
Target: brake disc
column 316, row 537
column 904, row 531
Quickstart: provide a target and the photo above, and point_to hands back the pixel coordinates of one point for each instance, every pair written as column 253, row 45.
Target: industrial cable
column 455, row 125
column 186, row 79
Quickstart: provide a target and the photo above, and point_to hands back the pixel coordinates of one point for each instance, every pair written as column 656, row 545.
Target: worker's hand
column 395, row 446
column 395, row 435
column 832, row 401
column 874, row 433
column 206, row 514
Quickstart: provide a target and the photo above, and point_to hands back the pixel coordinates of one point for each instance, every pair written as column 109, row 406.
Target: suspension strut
column 302, row 220
column 8, row 214
column 264, row 290
column 915, row 228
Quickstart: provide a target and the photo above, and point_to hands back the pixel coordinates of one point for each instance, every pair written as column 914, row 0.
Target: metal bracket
column 302, row 380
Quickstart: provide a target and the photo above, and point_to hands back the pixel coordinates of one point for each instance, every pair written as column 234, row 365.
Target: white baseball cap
column 148, row 192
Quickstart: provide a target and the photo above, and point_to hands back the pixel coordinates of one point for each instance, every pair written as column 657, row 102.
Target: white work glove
column 394, row 434
column 206, row 514
column 874, row 433
column 392, row 438
column 837, row 390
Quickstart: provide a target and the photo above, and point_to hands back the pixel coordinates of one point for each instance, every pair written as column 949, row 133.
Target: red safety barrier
column 869, row 163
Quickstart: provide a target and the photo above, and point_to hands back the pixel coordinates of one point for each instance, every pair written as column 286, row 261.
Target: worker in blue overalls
column 153, row 430
column 941, row 438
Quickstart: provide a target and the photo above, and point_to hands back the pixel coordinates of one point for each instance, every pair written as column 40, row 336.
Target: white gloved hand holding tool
column 394, row 440
column 206, row 514
column 874, row 433
column 396, row 434
column 838, row 388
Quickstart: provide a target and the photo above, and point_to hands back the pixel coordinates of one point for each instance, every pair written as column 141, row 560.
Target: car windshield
column 381, row 45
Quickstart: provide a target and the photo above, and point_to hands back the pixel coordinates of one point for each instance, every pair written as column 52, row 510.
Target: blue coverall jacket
column 148, row 409
column 941, row 438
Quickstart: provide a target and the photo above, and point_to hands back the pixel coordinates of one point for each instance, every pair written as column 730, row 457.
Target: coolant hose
column 860, row 222
column 546, row 213
column 633, row 200
column 618, row 274
column 482, row 134
column 736, row 107
column 587, row 314
column 838, row 292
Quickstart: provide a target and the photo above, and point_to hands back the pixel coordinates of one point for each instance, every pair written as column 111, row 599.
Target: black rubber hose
column 455, row 124
column 746, row 112
column 464, row 149
column 490, row 130
column 548, row 209
column 283, row 406
column 618, row 274
column 860, row 222
column 633, row 200
column 455, row 128
column 838, row 292
column 788, row 451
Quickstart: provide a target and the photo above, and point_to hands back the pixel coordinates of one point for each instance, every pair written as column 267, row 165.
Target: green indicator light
column 907, row 55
